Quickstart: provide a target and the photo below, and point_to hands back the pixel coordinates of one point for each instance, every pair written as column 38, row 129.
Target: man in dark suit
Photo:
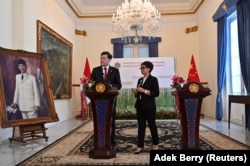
column 111, row 75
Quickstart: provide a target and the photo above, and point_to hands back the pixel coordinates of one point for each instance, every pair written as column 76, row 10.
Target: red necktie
column 105, row 74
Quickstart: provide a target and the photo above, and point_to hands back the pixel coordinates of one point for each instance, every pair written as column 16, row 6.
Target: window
column 234, row 78
column 135, row 51
column 148, row 47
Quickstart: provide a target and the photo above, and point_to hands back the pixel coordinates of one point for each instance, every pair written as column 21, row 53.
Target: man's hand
column 13, row 105
column 36, row 108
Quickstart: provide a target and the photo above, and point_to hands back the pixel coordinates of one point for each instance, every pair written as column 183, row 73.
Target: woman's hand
column 140, row 89
column 134, row 90
column 146, row 92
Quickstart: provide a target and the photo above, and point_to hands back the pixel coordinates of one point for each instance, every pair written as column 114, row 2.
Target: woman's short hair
column 148, row 64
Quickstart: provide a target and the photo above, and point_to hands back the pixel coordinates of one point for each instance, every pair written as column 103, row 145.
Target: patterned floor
column 66, row 151
column 126, row 137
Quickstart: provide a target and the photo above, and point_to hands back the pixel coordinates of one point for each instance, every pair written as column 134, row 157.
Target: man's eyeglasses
column 142, row 68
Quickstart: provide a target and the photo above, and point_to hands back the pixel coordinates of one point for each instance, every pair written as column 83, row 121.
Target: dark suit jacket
column 113, row 76
column 147, row 102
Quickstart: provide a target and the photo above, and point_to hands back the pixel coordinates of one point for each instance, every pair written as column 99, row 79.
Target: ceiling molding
column 104, row 24
column 81, row 11
column 173, row 19
column 195, row 8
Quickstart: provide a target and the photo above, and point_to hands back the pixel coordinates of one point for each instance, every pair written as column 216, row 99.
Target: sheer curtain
column 221, row 65
column 220, row 17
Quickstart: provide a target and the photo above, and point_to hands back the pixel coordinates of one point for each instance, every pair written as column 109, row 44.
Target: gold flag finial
column 224, row 6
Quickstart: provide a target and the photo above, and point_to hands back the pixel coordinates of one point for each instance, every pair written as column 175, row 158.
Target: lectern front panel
column 101, row 111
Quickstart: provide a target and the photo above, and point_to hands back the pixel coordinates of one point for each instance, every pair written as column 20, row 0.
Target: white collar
column 107, row 67
column 24, row 74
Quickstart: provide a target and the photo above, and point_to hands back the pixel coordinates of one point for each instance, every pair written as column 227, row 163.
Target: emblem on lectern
column 100, row 87
column 193, row 88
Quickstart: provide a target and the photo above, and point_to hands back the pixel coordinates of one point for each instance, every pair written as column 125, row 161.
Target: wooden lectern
column 190, row 100
column 102, row 97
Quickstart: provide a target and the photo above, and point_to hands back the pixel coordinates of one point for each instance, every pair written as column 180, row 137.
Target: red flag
column 87, row 74
column 193, row 75
column 87, row 71
column 83, row 105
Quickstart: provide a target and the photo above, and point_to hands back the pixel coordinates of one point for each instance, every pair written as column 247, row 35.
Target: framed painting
column 25, row 95
column 58, row 52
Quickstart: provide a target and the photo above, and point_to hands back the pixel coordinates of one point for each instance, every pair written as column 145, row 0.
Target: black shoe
column 113, row 143
column 138, row 151
column 113, row 147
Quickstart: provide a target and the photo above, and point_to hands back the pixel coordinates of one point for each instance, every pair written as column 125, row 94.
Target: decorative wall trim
column 78, row 32
column 192, row 29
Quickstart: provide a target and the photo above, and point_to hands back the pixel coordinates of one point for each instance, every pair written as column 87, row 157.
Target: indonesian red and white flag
column 87, row 70
column 84, row 98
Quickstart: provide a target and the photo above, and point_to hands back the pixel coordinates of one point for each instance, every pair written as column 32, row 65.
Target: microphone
column 107, row 80
column 140, row 83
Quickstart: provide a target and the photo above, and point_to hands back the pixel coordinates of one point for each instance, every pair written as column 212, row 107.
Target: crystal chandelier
column 135, row 19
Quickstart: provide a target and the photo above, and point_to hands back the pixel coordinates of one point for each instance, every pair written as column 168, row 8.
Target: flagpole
column 85, row 111
column 80, row 115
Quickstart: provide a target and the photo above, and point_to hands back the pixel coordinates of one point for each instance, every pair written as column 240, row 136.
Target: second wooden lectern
column 102, row 97
column 190, row 100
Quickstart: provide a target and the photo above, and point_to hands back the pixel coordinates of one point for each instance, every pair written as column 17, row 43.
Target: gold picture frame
column 58, row 52
column 37, row 69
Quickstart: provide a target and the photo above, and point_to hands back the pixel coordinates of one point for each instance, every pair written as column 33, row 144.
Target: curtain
column 153, row 49
column 243, row 17
column 221, row 65
column 118, row 50
column 220, row 16
column 225, row 7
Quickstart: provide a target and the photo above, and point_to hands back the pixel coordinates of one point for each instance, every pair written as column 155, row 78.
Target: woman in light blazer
column 146, row 91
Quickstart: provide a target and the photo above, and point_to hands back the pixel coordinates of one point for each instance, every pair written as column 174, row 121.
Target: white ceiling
column 93, row 14
column 105, row 8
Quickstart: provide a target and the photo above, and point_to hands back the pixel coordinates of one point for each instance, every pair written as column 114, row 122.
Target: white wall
column 208, row 57
column 53, row 16
column 177, row 43
column 6, row 23
column 18, row 31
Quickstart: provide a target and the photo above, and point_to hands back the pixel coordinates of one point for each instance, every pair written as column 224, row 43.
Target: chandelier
column 135, row 19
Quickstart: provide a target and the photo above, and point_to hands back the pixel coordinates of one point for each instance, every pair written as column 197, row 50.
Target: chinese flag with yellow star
column 193, row 75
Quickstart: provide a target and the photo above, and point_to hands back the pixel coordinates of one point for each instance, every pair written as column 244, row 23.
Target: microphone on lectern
column 107, row 81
